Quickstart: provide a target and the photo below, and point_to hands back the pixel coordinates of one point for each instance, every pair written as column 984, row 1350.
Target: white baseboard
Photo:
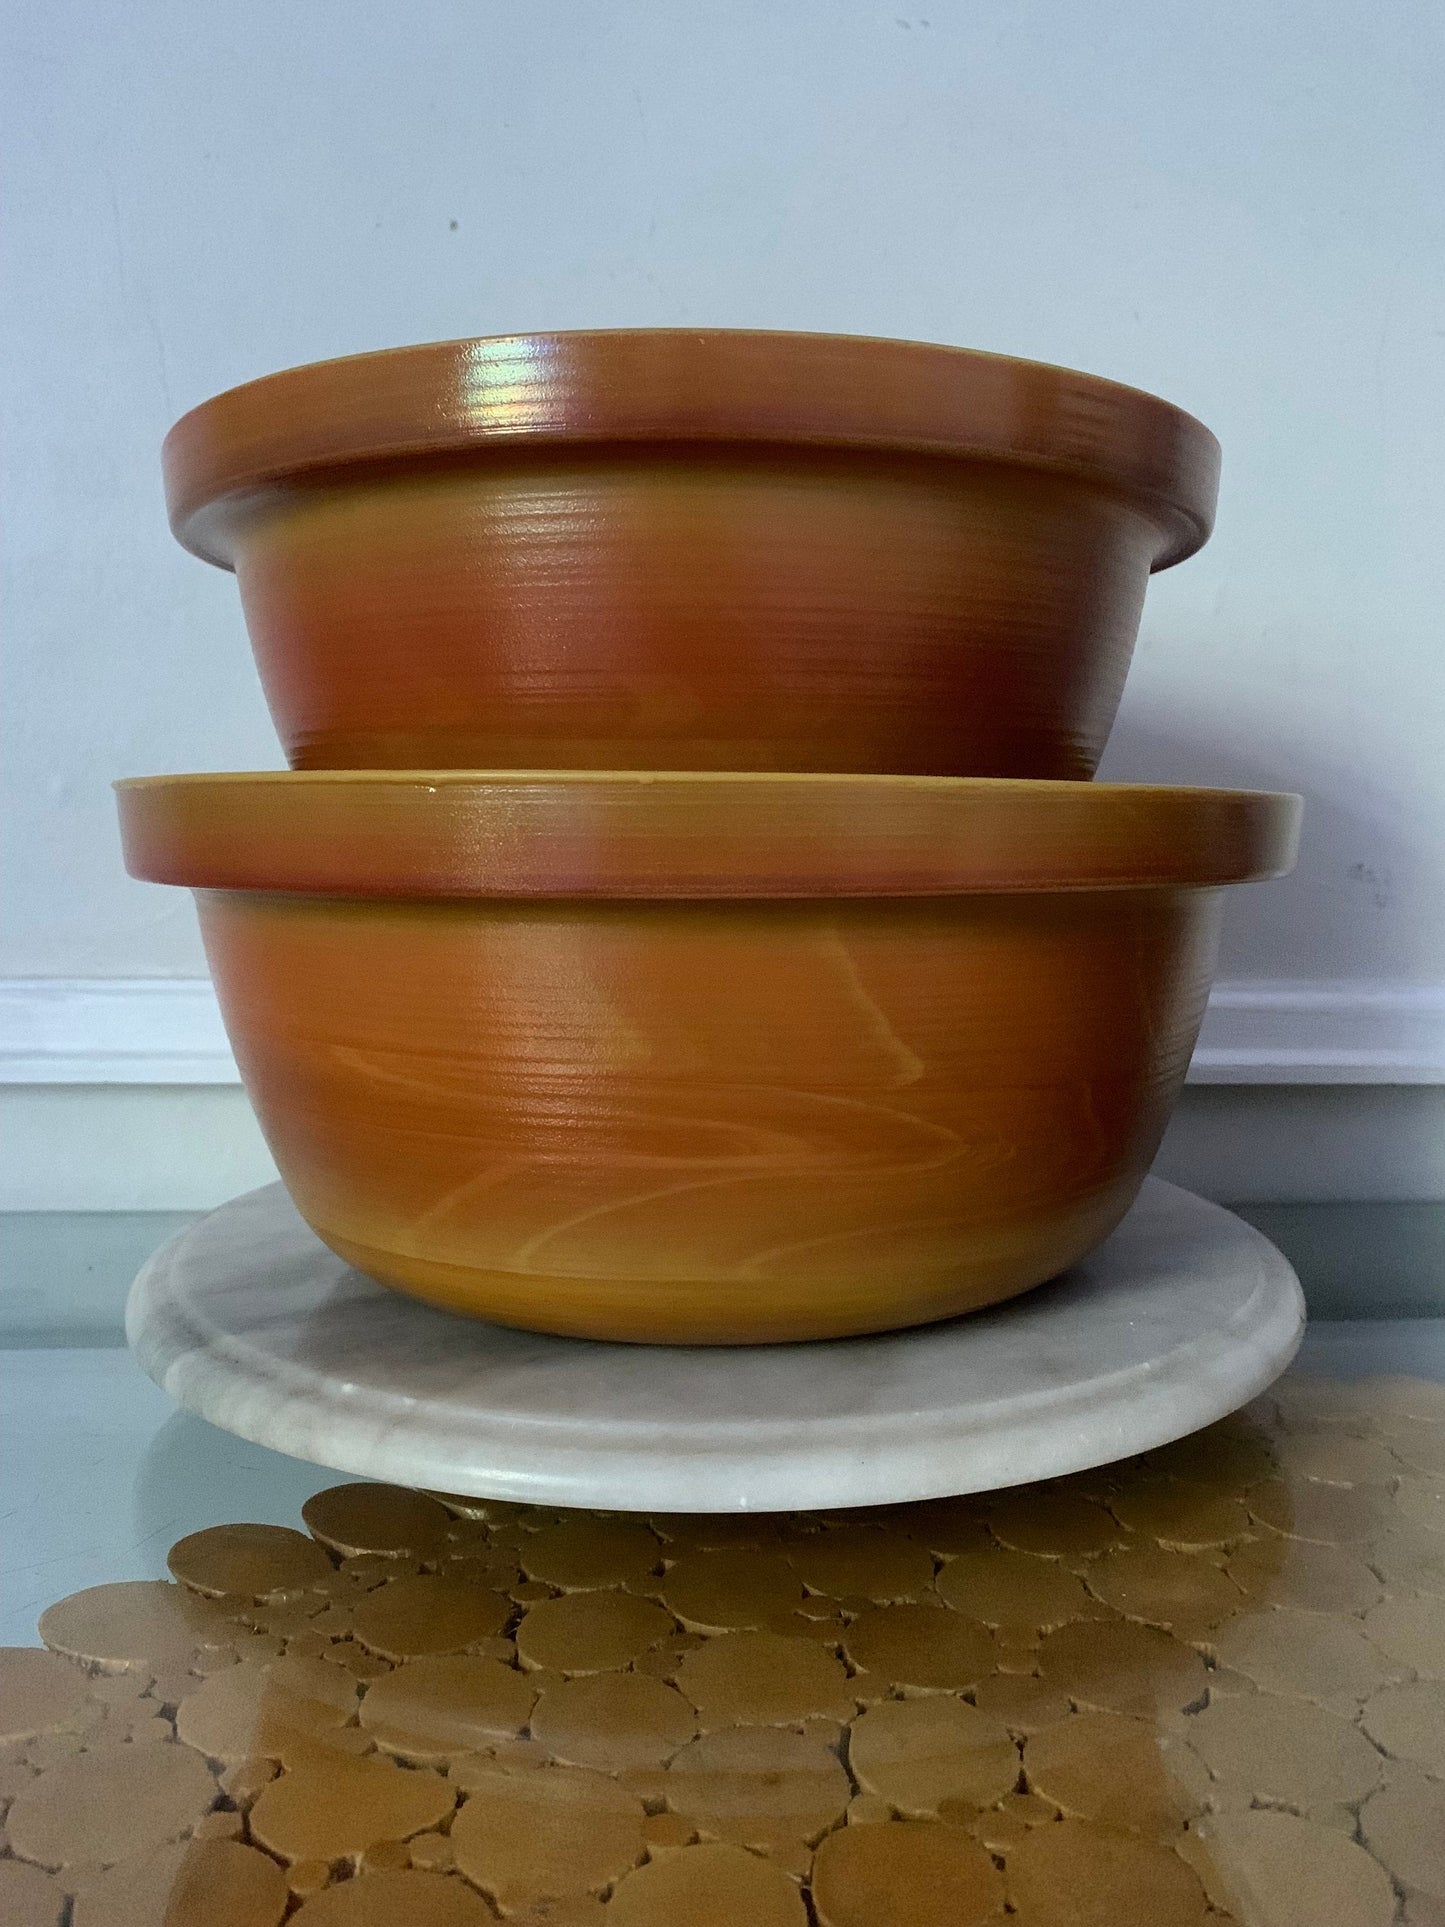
column 112, row 1030
column 1288, row 1031
column 148, row 1030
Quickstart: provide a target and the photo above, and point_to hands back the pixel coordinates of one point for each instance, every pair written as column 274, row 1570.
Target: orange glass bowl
column 692, row 550
column 707, row 1060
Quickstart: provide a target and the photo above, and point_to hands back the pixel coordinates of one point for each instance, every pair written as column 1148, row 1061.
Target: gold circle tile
column 259, row 1711
column 710, row 1885
column 1408, row 1721
column 917, row 1753
column 333, row 1806
column 1276, row 1870
column 757, row 1786
column 248, row 1561
column 388, row 1521
column 428, row 1709
column 1184, row 1595
column 1022, row 1701
column 1005, row 1588
column 40, row 1692
column 920, row 1648
column 1338, row 1458
column 906, row 1873
column 1410, row 1630
column 545, row 1834
column 945, row 1526
column 1286, row 1752
column 1332, row 1661
column 108, row 1805
column 613, row 1721
column 862, row 1562
column 591, row 1632
column 210, row 1883
column 764, row 1679
column 1108, row 1769
column 140, row 1623
column 1075, row 1875
column 721, row 1531
column 1421, row 1502
column 1312, row 1578
column 29, row 1897
column 584, row 1553
column 1118, row 1667
column 1181, row 1516
column 1054, row 1521
column 426, row 1613
column 396, row 1899
column 1330, row 1515
column 728, row 1589
column 1230, row 1457
column 1419, row 1444
column 1403, row 1825
column 1410, row 1558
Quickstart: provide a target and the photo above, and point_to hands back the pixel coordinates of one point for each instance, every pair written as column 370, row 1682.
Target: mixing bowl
column 692, row 550
column 707, row 1059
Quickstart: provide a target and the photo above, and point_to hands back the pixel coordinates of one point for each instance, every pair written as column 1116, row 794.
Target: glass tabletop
column 1205, row 1683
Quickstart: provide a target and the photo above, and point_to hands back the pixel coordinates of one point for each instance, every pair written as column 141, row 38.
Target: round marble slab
column 1183, row 1315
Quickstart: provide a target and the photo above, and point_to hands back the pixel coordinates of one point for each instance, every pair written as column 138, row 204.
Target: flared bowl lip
column 685, row 385
column 459, row 834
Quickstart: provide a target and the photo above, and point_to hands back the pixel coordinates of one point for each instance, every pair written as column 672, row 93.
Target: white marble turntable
column 1183, row 1315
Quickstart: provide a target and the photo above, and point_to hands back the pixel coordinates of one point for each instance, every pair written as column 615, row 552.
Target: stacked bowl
column 688, row 917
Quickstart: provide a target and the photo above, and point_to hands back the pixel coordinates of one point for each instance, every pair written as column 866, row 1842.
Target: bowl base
column 748, row 1311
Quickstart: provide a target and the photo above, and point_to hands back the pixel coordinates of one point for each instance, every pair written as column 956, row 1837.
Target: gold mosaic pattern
column 1202, row 1686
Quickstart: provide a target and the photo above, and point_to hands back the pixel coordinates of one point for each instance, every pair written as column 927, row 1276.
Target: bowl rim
column 459, row 834
column 689, row 385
